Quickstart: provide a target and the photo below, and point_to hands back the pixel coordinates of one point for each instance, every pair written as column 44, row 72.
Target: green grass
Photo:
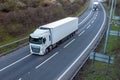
column 97, row 71
column 8, row 39
column 12, row 47
column 113, row 45
column 115, row 27
column 100, row 47
column 106, row 8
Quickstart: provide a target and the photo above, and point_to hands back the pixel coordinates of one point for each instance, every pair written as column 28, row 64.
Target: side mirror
column 44, row 40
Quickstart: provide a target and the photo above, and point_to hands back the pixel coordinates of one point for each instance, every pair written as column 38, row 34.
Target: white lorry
column 48, row 36
column 95, row 6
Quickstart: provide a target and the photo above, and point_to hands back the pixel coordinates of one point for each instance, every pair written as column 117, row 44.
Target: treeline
column 117, row 6
column 17, row 20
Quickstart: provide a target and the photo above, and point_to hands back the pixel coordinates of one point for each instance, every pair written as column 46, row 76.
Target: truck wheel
column 50, row 48
column 55, row 45
column 71, row 35
column 46, row 51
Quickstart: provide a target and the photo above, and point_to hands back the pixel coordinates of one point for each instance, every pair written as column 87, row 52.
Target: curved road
column 60, row 63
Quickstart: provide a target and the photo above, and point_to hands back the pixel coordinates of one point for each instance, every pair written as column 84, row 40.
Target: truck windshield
column 35, row 40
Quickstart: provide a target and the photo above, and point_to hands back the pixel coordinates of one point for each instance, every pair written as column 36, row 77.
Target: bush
column 4, row 8
column 31, row 3
column 20, row 22
column 15, row 29
column 7, row 6
column 2, row 1
column 1, row 34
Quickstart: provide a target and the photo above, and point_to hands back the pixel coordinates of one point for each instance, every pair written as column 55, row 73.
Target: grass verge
column 115, row 27
column 12, row 47
column 97, row 71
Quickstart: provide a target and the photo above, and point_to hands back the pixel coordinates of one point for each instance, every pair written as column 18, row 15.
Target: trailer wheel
column 71, row 35
column 55, row 45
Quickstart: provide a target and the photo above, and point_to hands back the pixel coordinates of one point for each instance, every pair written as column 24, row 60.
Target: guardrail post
column 93, row 61
column 108, row 30
column 107, row 66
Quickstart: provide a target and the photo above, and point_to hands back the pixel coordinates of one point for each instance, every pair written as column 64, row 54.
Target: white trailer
column 48, row 36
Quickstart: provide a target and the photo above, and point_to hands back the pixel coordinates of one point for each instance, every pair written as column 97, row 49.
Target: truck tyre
column 46, row 51
column 50, row 48
column 55, row 45
column 71, row 35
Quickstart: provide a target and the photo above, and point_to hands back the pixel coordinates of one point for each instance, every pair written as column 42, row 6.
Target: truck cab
column 39, row 40
column 95, row 6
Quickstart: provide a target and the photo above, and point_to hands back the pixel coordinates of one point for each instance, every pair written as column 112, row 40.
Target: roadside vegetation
column 18, row 18
column 97, row 70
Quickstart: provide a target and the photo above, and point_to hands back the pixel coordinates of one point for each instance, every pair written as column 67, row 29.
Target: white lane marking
column 60, row 77
column 85, row 18
column 92, row 21
column 97, row 14
column 20, row 79
column 14, row 62
column 69, row 43
column 81, row 33
column 88, row 26
column 95, row 18
column 46, row 60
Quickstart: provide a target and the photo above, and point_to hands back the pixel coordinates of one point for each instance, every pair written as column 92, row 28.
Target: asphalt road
column 21, row 65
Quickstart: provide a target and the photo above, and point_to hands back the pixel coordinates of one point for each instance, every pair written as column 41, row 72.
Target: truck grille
column 35, row 49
